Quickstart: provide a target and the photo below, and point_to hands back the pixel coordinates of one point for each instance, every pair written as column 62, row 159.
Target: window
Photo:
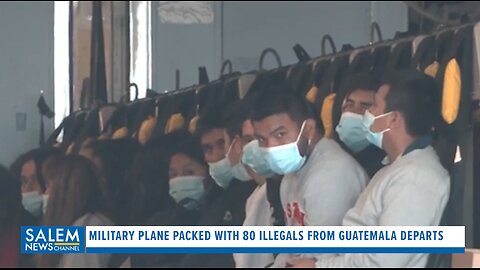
column 61, row 61
column 140, row 47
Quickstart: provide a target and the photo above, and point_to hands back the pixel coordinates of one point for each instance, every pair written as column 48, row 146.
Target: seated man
column 360, row 92
column 414, row 188
column 210, row 131
column 316, row 189
column 245, row 156
column 228, row 194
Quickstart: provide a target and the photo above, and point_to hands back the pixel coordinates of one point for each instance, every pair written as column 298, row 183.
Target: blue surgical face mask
column 253, row 158
column 183, row 187
column 375, row 138
column 221, row 172
column 32, row 202
column 285, row 159
column 351, row 131
column 239, row 172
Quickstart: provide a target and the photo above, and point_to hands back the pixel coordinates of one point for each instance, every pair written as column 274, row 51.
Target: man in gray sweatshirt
column 321, row 181
column 414, row 188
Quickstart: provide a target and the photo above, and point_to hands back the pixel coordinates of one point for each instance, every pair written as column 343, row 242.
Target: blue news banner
column 242, row 239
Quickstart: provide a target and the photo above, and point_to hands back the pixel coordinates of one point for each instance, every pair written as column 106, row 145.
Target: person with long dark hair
column 77, row 198
column 12, row 217
column 28, row 170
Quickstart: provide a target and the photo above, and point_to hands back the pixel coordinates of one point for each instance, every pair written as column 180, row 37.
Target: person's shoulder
column 423, row 160
column 329, row 150
column 421, row 165
column 330, row 156
column 161, row 217
column 93, row 219
column 214, row 192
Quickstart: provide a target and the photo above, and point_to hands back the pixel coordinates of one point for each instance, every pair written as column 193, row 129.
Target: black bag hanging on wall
column 44, row 110
column 400, row 56
column 299, row 76
column 379, row 58
column 424, row 55
column 362, row 62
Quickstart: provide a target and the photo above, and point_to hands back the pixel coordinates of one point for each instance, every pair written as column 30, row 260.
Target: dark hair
column 38, row 156
column 10, row 200
column 182, row 142
column 116, row 157
column 361, row 80
column 282, row 99
column 77, row 189
column 236, row 114
column 416, row 96
column 150, row 188
column 208, row 122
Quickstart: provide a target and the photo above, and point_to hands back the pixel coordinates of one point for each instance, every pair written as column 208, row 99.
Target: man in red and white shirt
column 321, row 181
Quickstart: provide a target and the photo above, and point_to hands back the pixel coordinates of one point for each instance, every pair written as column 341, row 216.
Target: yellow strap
column 432, row 69
column 175, row 122
column 120, row 133
column 326, row 114
column 312, row 94
column 452, row 87
column 192, row 127
column 146, row 129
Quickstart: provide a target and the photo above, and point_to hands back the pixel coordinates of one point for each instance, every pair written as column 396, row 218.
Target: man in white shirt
column 414, row 188
column 246, row 154
column 317, row 189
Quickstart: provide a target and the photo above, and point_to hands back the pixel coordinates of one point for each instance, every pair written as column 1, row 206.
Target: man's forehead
column 275, row 120
column 361, row 94
column 273, row 123
column 381, row 93
column 213, row 134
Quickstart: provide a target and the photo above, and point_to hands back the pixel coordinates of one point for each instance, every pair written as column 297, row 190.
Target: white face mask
column 45, row 198
column 183, row 187
column 32, row 202
column 223, row 172
column 253, row 158
column 375, row 138
column 285, row 159
column 239, row 172
column 351, row 131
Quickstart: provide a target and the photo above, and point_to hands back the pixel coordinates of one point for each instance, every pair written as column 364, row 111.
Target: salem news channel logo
column 52, row 239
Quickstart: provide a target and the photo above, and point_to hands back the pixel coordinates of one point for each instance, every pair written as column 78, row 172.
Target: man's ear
column 395, row 120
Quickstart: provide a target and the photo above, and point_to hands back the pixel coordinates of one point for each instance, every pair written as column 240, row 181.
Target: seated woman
column 28, row 170
column 196, row 197
column 12, row 217
column 187, row 174
column 77, row 198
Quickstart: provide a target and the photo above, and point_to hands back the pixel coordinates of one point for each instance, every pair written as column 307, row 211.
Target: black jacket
column 224, row 207
column 371, row 159
column 220, row 207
